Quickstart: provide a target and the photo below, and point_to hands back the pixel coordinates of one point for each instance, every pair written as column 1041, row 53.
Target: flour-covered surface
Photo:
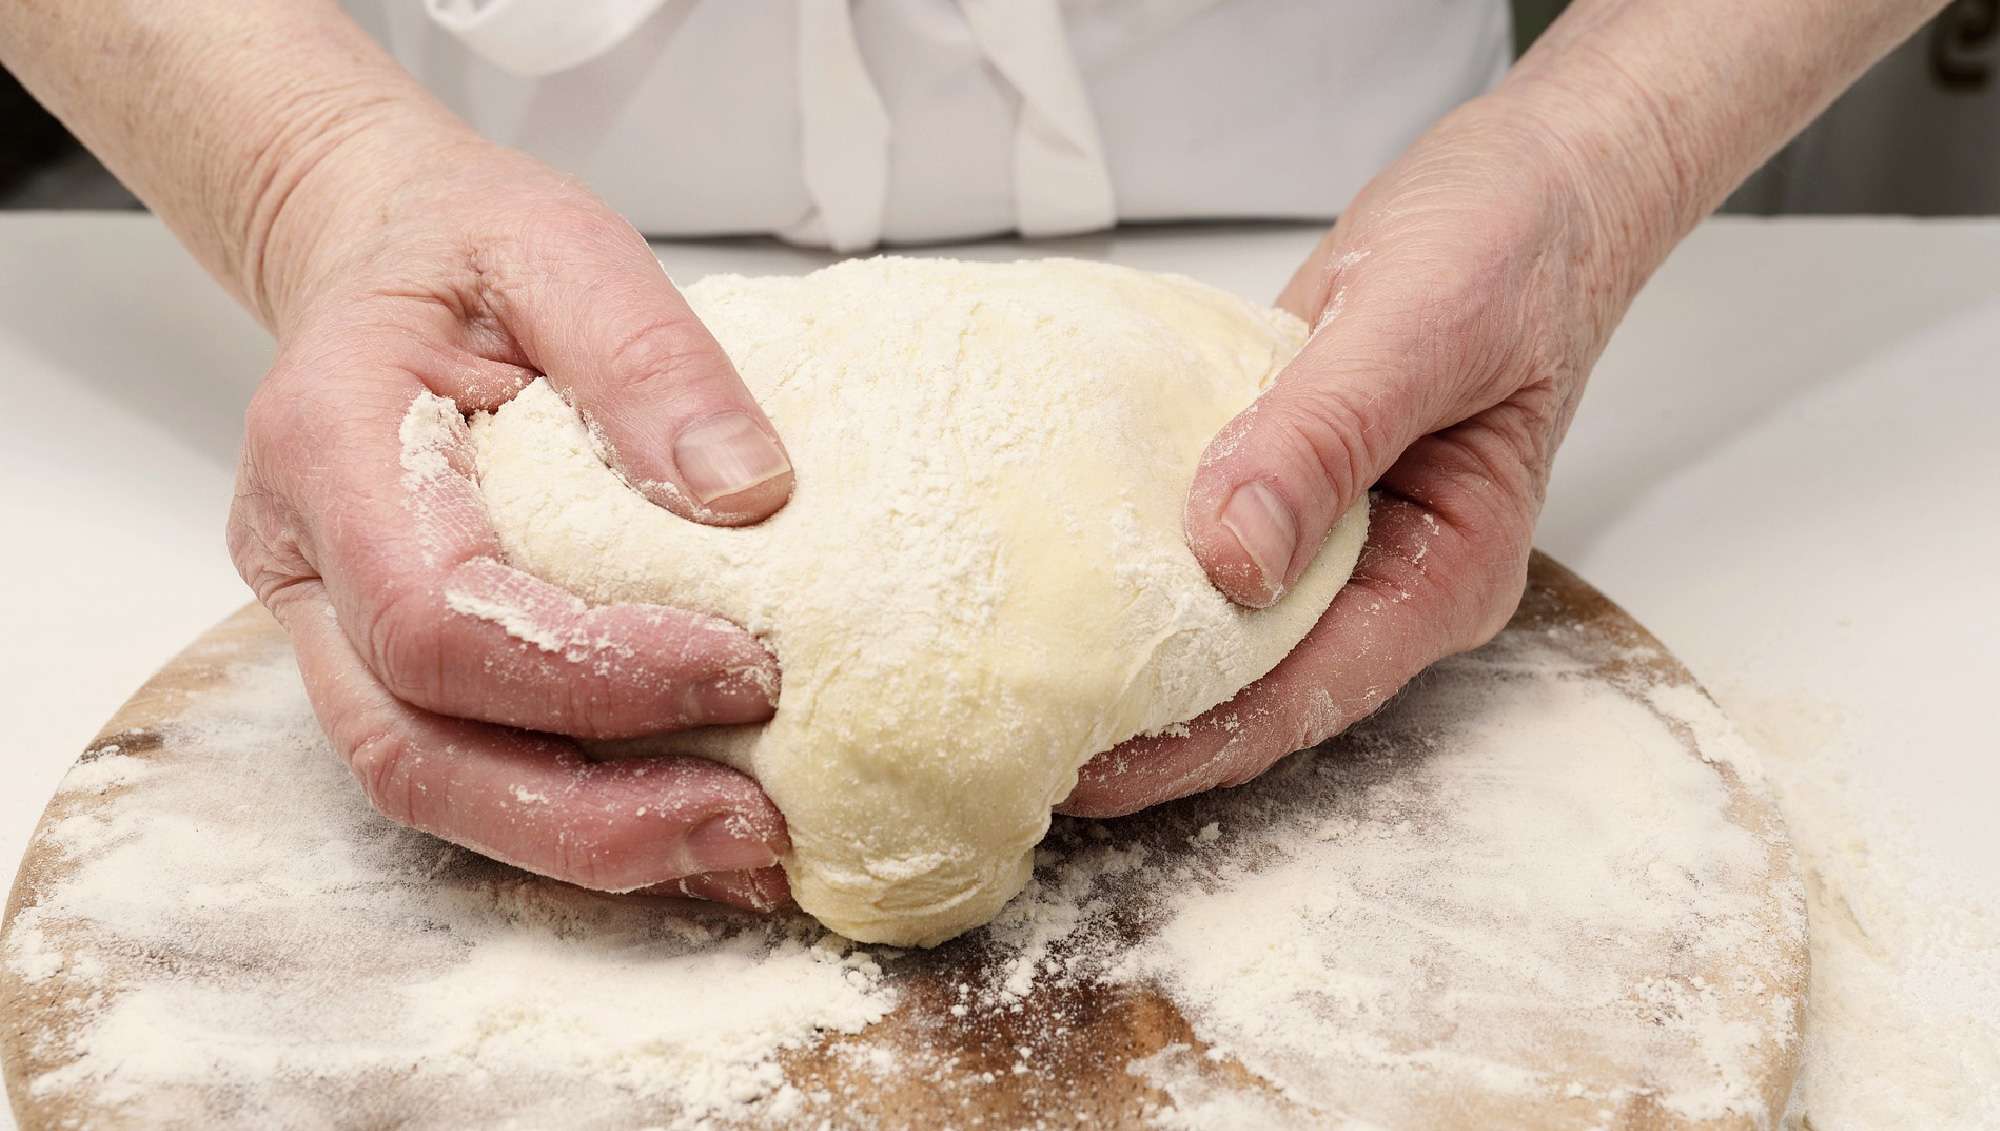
column 1540, row 888
column 1904, row 1024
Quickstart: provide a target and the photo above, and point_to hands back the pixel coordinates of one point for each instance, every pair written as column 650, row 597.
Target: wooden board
column 1689, row 1018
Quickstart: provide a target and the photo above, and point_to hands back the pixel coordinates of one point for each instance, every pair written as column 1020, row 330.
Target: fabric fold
column 1062, row 184
column 844, row 133
column 534, row 38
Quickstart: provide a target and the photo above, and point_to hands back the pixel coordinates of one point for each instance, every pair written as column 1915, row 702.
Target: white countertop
column 1788, row 466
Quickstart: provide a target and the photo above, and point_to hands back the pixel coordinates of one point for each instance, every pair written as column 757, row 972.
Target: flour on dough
column 981, row 580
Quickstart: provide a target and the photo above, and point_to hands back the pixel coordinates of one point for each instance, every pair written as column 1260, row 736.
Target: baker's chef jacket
column 848, row 123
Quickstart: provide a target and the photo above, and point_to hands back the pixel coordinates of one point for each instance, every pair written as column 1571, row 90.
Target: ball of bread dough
column 981, row 580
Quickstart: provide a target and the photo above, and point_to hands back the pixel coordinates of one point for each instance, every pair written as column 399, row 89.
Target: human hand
column 417, row 279
column 1458, row 307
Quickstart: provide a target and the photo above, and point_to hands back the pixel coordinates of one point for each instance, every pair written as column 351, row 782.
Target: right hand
column 446, row 679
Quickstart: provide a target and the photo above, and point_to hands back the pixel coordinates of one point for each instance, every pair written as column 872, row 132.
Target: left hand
column 1459, row 305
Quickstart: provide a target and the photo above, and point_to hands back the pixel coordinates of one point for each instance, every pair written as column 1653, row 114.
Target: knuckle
column 663, row 352
column 1235, row 760
column 249, row 547
column 1248, row 770
column 1494, row 469
column 270, row 413
column 1503, row 580
column 1320, row 717
column 610, row 859
column 577, row 861
column 273, row 584
column 1307, row 722
column 300, row 406
column 381, row 760
column 678, row 369
column 271, row 427
column 403, row 641
column 263, row 536
column 1487, row 587
column 1328, row 436
column 563, row 223
column 589, row 709
column 1478, row 598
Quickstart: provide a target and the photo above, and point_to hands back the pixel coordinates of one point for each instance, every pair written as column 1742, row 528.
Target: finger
column 530, row 800
column 394, row 523
column 763, row 889
column 1367, row 384
column 612, row 332
column 1423, row 589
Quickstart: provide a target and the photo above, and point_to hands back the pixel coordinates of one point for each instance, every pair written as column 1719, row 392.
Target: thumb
column 614, row 335
column 1276, row 478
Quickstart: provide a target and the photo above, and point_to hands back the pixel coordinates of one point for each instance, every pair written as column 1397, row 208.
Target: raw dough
column 981, row 580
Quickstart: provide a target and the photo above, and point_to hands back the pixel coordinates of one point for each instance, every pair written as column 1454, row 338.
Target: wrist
column 321, row 193
column 225, row 117
column 1616, row 162
column 1664, row 108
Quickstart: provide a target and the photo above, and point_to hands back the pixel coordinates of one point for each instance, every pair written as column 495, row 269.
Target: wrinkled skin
column 466, row 285
column 1458, row 310
column 1457, row 322
column 1463, row 296
column 1461, row 302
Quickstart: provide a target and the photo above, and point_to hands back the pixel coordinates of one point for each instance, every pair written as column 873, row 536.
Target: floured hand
column 446, row 678
column 1457, row 313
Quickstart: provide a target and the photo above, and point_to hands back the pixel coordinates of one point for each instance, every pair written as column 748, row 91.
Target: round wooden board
column 1689, row 1019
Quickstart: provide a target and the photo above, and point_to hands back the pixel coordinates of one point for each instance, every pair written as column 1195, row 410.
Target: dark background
column 1919, row 134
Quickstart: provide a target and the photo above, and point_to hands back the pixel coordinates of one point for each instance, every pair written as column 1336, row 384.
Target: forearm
column 217, row 112
column 1669, row 106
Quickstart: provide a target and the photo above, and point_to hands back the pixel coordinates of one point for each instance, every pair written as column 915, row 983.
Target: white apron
column 853, row 122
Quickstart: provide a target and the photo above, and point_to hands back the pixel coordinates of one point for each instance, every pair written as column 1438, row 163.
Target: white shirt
column 853, row 122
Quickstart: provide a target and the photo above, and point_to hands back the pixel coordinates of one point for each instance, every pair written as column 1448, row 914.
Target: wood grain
column 1084, row 1035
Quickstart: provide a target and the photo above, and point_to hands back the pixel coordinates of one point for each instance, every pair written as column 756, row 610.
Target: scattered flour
column 1468, row 917
column 295, row 949
column 513, row 619
column 109, row 768
column 1490, row 869
column 431, row 433
column 1904, row 1020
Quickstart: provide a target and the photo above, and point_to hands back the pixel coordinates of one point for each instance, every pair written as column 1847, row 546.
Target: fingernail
column 1264, row 527
column 728, row 843
column 726, row 454
column 740, row 695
